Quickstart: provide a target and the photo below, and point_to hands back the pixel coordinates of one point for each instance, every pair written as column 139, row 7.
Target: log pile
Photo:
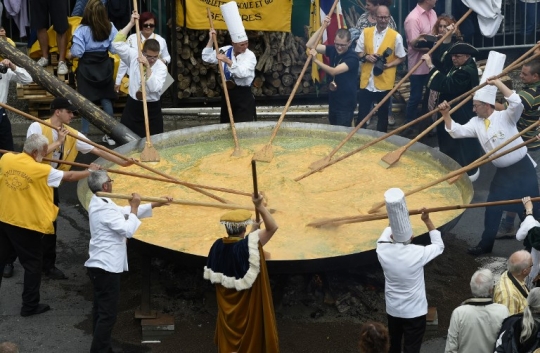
column 280, row 58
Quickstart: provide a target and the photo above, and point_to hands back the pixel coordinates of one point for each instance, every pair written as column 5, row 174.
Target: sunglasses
column 149, row 25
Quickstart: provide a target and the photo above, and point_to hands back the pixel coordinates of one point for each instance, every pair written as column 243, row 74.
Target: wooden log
column 96, row 116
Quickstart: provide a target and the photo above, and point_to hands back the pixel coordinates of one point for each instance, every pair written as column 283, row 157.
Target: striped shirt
column 507, row 294
column 530, row 97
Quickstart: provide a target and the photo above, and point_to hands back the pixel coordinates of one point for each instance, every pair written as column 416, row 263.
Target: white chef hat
column 494, row 66
column 232, row 18
column 398, row 215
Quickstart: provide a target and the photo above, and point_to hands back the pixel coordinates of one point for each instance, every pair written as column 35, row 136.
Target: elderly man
column 511, row 290
column 236, row 265
column 63, row 147
column 462, row 77
column 475, row 324
column 239, row 66
column 403, row 265
column 381, row 50
column 420, row 21
column 110, row 227
column 155, row 72
column 515, row 176
column 27, row 212
column 344, row 71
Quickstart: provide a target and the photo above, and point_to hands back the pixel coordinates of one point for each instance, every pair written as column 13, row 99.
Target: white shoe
column 62, row 68
column 43, row 62
column 109, row 140
column 391, row 120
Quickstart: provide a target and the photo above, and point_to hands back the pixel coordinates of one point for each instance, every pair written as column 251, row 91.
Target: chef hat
column 234, row 22
column 494, row 67
column 398, row 215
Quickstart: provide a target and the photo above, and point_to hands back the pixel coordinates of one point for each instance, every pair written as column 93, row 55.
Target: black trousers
column 6, row 138
column 133, row 117
column 105, row 307
column 411, row 330
column 27, row 245
column 48, row 241
column 242, row 106
column 365, row 100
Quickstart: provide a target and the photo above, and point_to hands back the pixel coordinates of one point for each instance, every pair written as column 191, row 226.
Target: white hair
column 96, row 179
column 532, row 308
column 482, row 283
column 35, row 142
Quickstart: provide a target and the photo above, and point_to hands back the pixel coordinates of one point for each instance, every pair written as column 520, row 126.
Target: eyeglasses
column 384, row 18
column 475, row 106
column 110, row 181
column 151, row 57
column 339, row 45
column 458, row 55
column 148, row 25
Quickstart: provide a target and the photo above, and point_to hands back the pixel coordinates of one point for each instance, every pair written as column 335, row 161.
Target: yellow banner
column 257, row 15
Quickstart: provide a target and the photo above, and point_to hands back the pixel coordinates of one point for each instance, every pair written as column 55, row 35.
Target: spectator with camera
column 343, row 71
column 381, row 50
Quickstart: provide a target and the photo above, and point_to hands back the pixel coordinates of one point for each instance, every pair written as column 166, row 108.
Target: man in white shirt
column 403, row 265
column 155, row 75
column 239, row 66
column 515, row 176
column 20, row 75
column 110, row 227
column 475, row 324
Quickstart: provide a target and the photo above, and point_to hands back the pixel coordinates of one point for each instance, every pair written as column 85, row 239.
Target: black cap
column 463, row 48
column 62, row 103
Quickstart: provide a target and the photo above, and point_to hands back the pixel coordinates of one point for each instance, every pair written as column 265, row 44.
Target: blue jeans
column 417, row 86
column 107, row 107
column 531, row 15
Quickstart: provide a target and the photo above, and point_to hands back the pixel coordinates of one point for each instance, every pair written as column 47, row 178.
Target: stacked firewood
column 280, row 59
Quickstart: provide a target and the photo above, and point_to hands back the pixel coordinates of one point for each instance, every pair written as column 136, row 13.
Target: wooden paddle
column 403, row 127
column 237, row 152
column 378, row 216
column 456, row 172
column 322, row 162
column 178, row 202
column 149, row 153
column 142, row 176
column 114, row 153
column 393, row 157
column 266, row 154
column 255, row 187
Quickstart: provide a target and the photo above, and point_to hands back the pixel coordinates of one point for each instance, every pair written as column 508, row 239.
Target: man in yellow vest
column 63, row 147
column 27, row 212
column 381, row 50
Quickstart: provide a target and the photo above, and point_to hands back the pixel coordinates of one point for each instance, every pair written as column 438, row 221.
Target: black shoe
column 477, row 250
column 55, row 273
column 409, row 132
column 8, row 271
column 40, row 309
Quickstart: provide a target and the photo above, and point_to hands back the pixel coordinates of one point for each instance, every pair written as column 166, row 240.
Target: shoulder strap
column 517, row 285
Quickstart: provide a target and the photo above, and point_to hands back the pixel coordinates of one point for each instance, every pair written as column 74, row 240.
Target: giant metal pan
column 263, row 129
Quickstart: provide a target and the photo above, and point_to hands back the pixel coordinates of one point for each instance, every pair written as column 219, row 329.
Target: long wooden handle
column 143, row 78
column 395, row 88
column 149, row 177
column 299, row 79
column 379, row 216
column 176, row 202
column 255, row 186
column 458, row 172
column 223, row 82
column 114, row 153
column 519, row 61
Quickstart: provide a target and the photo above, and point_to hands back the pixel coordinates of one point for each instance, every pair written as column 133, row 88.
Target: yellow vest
column 385, row 81
column 70, row 149
column 27, row 200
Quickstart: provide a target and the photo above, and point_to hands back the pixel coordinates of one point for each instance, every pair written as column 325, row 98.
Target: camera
column 378, row 67
column 3, row 69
